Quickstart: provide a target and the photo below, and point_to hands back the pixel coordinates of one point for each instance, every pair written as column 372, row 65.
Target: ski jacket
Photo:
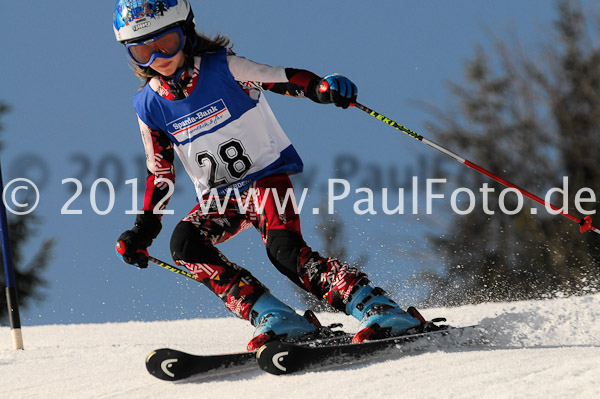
column 216, row 119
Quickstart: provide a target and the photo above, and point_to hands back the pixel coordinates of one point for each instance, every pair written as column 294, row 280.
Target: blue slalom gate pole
column 9, row 274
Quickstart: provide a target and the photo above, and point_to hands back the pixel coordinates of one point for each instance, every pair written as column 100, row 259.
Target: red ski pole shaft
column 584, row 223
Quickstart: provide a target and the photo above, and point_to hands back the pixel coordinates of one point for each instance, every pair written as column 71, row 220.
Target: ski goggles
column 165, row 45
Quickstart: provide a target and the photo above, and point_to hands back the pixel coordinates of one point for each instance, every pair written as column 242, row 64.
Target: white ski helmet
column 135, row 19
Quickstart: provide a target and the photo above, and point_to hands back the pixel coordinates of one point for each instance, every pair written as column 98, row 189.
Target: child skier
column 204, row 103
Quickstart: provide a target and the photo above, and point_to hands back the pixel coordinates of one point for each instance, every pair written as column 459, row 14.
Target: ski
column 279, row 357
column 173, row 365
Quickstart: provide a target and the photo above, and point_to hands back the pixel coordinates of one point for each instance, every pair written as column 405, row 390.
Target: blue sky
column 70, row 86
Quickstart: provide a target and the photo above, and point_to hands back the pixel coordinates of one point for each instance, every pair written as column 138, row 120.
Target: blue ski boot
column 275, row 320
column 379, row 316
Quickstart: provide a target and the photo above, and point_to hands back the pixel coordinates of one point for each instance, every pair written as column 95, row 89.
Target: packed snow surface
column 538, row 349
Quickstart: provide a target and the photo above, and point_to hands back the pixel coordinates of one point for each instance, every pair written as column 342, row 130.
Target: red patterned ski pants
column 265, row 207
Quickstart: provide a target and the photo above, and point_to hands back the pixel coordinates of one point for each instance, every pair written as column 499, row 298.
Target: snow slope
column 540, row 349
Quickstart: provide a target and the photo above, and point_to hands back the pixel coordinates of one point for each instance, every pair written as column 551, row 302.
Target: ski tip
column 278, row 357
column 150, row 356
column 164, row 364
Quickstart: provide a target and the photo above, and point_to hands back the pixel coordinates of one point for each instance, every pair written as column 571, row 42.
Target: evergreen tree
column 28, row 276
column 531, row 119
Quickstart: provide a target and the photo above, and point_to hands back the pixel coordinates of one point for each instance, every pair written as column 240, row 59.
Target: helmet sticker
column 136, row 11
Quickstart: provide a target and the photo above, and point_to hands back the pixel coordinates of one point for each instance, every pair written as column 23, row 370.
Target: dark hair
column 195, row 44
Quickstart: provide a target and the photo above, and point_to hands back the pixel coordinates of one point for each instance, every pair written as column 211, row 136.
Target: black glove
column 337, row 89
column 132, row 244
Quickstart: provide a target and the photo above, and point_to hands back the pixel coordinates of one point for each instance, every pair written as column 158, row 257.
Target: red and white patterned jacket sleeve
column 159, row 163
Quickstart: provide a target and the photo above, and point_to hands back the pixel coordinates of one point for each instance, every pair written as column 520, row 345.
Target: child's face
column 168, row 66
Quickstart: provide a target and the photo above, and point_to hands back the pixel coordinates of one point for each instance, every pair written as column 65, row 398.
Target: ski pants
column 265, row 207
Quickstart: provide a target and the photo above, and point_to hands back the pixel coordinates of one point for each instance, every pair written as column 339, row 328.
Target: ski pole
column 9, row 275
column 172, row 268
column 585, row 223
column 120, row 248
